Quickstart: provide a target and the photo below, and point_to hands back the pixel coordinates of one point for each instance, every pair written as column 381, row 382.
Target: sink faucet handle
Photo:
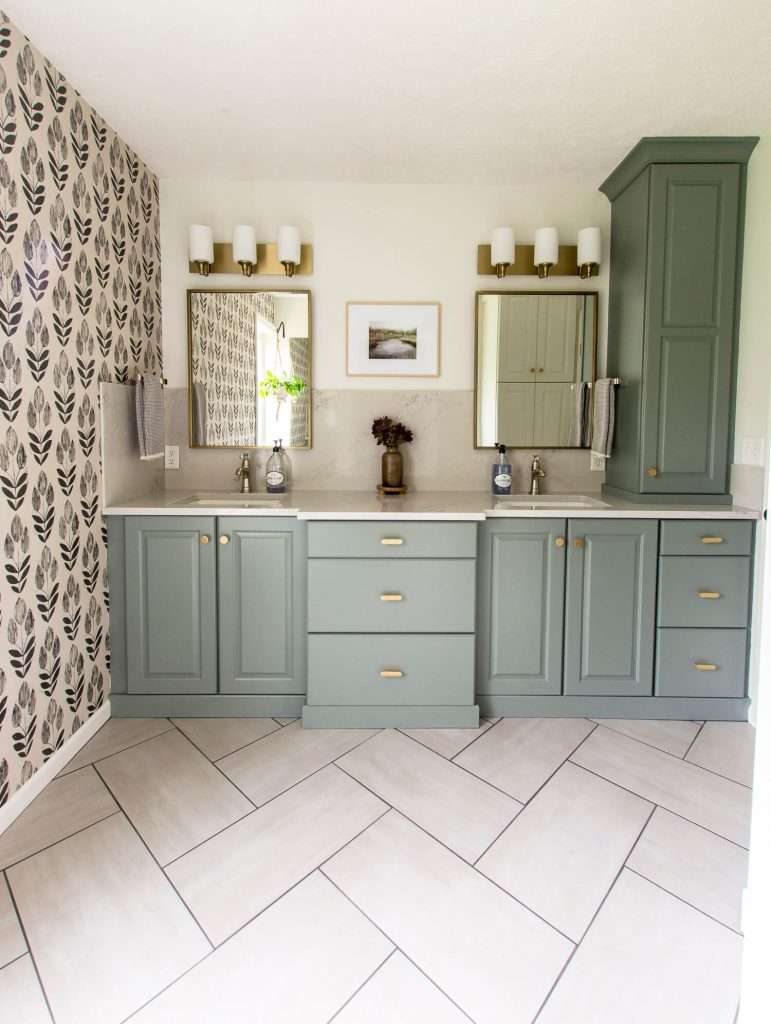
column 242, row 473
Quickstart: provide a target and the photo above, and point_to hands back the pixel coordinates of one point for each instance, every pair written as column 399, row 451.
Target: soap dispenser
column 501, row 472
column 275, row 471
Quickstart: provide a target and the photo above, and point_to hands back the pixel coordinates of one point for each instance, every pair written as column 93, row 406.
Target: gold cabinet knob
column 579, row 542
column 205, row 538
column 709, row 595
column 559, row 542
column 224, row 539
column 532, row 369
column 652, row 471
column 540, row 369
column 391, row 541
column 712, row 540
column 390, row 597
column 391, row 673
column 705, row 666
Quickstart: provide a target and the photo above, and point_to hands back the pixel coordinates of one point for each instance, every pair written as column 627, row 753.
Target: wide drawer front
column 705, row 537
column 391, row 539
column 387, row 670
column 701, row 662
column 375, row 595
column 710, row 592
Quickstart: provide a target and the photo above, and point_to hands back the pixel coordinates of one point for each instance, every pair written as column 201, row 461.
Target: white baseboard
column 23, row 797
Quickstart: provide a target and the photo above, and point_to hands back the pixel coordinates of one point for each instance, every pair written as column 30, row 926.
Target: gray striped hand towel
column 150, row 426
column 604, row 419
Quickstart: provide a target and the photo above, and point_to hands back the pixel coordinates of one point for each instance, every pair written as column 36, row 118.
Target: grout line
column 89, row 764
column 214, row 760
column 476, row 738
column 681, row 900
column 698, row 733
column 203, row 842
column 366, row 981
column 492, row 843
column 13, row 960
column 645, row 743
column 29, row 948
column 663, row 806
column 63, row 839
column 216, row 766
column 156, row 861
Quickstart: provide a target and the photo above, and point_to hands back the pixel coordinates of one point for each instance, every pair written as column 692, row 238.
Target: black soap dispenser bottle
column 501, row 472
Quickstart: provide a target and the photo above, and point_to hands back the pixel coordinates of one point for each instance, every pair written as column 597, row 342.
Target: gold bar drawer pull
column 712, row 540
column 391, row 673
column 390, row 597
column 704, row 666
column 392, row 541
column 709, row 595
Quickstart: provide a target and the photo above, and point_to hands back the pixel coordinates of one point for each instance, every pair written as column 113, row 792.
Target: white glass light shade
column 288, row 245
column 201, row 244
column 547, row 246
column 502, row 246
column 244, row 244
column 589, row 246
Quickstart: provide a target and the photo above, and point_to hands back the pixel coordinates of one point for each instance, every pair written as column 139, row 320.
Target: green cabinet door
column 261, row 589
column 171, row 633
column 521, row 603
column 689, row 317
column 610, row 607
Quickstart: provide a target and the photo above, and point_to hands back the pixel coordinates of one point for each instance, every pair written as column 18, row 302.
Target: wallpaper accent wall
column 79, row 303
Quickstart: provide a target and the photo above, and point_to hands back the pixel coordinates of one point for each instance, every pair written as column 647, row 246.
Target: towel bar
column 613, row 380
column 141, row 376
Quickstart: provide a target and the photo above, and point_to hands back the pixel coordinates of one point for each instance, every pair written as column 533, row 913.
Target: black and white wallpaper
column 79, row 303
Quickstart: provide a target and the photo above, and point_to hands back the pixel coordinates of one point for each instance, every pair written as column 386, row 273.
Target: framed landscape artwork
column 392, row 339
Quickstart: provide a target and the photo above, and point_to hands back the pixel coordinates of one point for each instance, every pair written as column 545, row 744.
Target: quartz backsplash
column 345, row 456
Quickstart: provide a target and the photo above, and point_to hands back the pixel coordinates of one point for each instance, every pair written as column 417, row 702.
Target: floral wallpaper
column 79, row 303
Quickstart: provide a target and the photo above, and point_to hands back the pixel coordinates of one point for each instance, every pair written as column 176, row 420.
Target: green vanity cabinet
column 676, row 240
column 171, row 604
column 521, row 606
column 610, row 619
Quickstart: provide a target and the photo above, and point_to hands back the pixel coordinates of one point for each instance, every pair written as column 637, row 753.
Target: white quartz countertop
column 421, row 505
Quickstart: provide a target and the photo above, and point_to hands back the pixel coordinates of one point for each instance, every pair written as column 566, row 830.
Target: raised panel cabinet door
column 610, row 607
column 261, row 588
column 553, row 416
column 171, row 632
column 557, row 338
column 515, row 414
column 521, row 604
column 517, row 338
column 690, row 325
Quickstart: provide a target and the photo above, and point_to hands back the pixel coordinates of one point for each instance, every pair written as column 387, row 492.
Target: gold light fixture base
column 201, row 267
column 266, row 261
column 587, row 270
column 246, row 267
column 289, row 267
column 543, row 269
column 523, row 265
column 501, row 268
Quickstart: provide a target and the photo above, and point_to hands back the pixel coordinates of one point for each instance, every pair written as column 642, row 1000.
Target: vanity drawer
column 377, row 595
column 705, row 537
column 391, row 539
column 400, row 669
column 701, row 662
column 704, row 592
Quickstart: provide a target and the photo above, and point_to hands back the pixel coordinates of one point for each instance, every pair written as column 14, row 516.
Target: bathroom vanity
column 354, row 611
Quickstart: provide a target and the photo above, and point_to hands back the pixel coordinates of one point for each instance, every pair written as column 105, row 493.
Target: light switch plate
column 596, row 463
column 172, row 456
column 753, row 451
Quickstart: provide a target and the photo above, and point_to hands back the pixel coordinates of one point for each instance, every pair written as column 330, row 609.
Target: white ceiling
column 493, row 91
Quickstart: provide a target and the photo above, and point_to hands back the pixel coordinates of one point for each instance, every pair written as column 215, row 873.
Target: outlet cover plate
column 172, row 456
column 597, row 463
column 753, row 451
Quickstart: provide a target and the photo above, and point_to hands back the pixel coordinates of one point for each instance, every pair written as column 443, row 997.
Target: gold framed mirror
column 249, row 367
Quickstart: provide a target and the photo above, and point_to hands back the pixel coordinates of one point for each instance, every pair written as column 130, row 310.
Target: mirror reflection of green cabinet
column 676, row 238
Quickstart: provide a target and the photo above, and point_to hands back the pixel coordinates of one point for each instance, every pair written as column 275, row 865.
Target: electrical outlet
column 597, row 463
column 172, row 456
column 753, row 451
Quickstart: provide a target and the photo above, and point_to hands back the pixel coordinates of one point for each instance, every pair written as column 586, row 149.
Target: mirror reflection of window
column 535, row 368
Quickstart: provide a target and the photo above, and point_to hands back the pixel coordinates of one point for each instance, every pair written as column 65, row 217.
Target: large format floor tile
column 238, row 873
column 117, row 735
column 493, row 957
column 520, row 754
column 458, row 809
column 105, row 927
column 282, row 759
column 649, row 958
column 12, row 942
column 717, row 804
column 727, row 748
column 296, row 964
column 173, row 795
column 64, row 807
column 21, row 998
column 400, row 994
column 699, row 867
column 563, row 852
column 448, row 742
column 673, row 737
column 217, row 737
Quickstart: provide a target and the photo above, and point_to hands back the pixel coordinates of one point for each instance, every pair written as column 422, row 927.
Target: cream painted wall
column 372, row 242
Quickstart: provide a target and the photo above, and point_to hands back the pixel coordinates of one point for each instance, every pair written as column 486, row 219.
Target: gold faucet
column 537, row 474
column 243, row 473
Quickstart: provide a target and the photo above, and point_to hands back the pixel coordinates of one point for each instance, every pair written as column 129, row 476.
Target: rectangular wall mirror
column 249, row 356
column 536, row 358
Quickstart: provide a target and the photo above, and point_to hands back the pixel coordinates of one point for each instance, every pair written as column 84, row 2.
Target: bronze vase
column 392, row 468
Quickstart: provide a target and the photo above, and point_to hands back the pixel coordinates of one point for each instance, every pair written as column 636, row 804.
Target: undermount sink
column 533, row 501
column 230, row 499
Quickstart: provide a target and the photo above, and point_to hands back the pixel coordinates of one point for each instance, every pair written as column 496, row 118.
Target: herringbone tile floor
column 559, row 870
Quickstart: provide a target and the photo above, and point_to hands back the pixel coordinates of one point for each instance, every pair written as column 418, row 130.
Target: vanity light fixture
column 288, row 248
column 201, row 246
column 547, row 250
column 589, row 252
column 502, row 250
column 245, row 248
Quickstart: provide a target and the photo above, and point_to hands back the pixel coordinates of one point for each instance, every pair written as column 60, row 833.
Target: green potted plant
column 288, row 386
column 391, row 433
